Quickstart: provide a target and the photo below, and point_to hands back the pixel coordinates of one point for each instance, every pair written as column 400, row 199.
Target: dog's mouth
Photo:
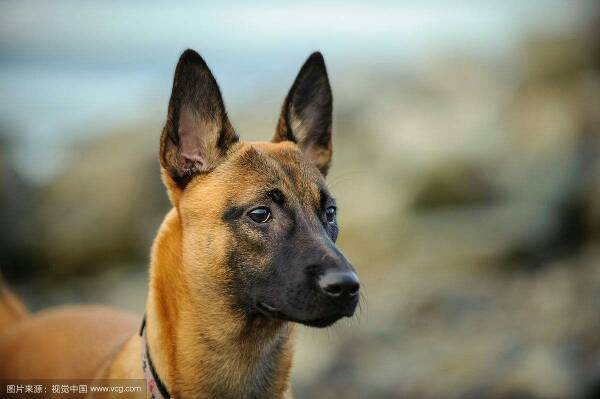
column 272, row 312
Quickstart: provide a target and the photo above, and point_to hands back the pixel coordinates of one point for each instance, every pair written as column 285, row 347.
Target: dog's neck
column 201, row 349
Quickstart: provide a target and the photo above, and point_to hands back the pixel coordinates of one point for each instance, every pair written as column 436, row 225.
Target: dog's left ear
column 307, row 113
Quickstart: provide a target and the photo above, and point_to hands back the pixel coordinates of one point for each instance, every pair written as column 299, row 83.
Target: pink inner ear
column 189, row 138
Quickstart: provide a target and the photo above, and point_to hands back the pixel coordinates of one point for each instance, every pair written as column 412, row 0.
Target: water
column 71, row 69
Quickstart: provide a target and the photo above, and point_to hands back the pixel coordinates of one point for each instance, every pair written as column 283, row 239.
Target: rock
column 105, row 207
column 454, row 184
column 17, row 220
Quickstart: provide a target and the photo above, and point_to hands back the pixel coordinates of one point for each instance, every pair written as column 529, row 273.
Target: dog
column 246, row 252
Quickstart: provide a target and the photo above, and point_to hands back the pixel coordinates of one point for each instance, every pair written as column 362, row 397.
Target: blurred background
column 466, row 167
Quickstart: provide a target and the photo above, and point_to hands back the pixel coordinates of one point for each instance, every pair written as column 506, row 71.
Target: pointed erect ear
column 198, row 133
column 307, row 112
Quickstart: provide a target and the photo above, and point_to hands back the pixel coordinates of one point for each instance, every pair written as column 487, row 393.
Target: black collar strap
column 154, row 384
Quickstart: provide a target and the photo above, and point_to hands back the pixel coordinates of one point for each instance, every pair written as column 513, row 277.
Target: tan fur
column 186, row 311
column 185, row 298
column 69, row 342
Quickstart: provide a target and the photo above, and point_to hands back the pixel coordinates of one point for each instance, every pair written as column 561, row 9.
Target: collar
column 154, row 384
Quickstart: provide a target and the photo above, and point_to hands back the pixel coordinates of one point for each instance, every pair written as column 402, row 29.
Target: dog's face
column 258, row 219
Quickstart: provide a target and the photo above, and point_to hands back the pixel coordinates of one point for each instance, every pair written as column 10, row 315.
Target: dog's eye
column 260, row 215
column 330, row 214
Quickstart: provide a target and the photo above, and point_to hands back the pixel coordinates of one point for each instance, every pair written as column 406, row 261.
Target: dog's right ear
column 198, row 133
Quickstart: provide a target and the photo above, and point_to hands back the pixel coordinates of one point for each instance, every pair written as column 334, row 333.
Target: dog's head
column 258, row 222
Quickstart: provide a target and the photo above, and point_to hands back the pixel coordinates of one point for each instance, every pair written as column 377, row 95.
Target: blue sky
column 69, row 68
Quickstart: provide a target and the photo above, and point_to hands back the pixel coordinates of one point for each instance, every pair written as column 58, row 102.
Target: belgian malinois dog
column 247, row 251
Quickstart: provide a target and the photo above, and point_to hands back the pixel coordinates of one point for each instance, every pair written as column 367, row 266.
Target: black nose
column 337, row 284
